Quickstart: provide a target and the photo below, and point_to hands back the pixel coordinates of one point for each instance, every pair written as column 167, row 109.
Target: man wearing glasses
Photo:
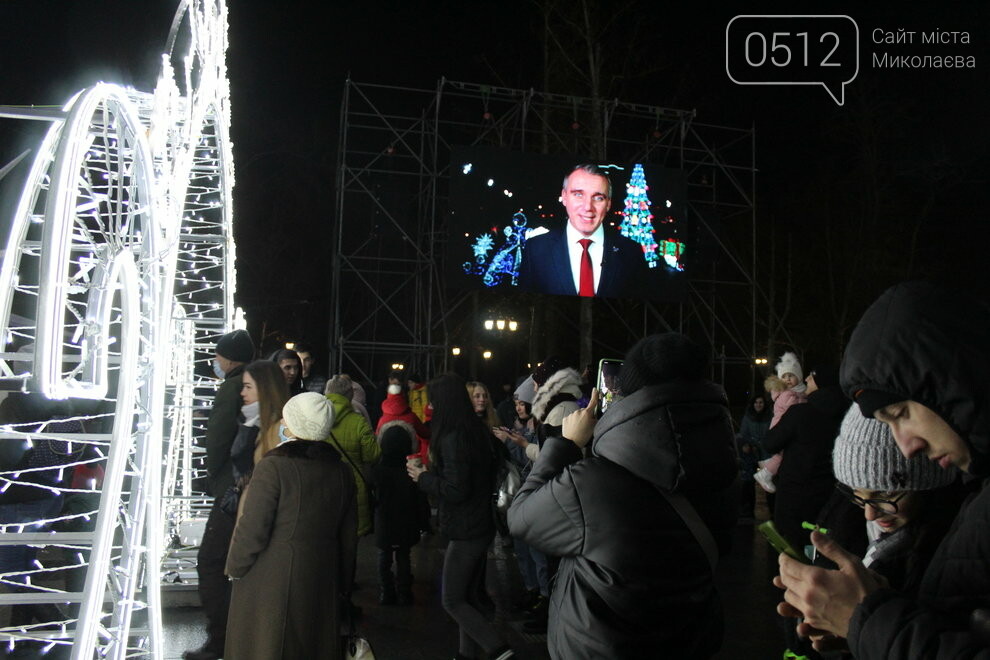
column 918, row 361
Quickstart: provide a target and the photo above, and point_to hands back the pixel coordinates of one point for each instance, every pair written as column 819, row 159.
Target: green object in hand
column 779, row 543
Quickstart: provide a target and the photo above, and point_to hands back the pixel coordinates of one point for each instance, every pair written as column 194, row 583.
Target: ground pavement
column 425, row 632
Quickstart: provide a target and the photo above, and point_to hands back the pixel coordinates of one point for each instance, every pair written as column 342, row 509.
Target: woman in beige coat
column 293, row 550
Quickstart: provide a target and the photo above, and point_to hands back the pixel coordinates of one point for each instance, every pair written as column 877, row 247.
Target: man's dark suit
column 546, row 266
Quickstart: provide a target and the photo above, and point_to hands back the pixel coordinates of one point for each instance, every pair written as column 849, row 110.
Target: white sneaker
column 765, row 479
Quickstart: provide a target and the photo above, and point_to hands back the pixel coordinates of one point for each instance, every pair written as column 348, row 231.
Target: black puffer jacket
column 806, row 435
column 221, row 429
column 633, row 581
column 462, row 477
column 924, row 344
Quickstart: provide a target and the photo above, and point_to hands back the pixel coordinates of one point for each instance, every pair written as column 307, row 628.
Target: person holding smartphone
column 520, row 436
column 908, row 504
column 918, row 361
column 634, row 580
column 533, row 566
column 461, row 477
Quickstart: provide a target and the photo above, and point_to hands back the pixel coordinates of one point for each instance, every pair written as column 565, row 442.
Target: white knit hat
column 866, row 456
column 789, row 364
column 309, row 416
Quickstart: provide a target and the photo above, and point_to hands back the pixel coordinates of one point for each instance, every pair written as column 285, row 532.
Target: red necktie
column 587, row 274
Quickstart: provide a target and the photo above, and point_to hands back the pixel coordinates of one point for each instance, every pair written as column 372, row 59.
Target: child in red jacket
column 396, row 408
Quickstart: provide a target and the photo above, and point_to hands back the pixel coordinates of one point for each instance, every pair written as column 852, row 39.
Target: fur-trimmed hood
column 411, row 447
column 565, row 381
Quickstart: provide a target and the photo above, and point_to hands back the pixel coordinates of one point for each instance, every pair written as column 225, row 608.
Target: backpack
column 505, row 486
column 507, row 483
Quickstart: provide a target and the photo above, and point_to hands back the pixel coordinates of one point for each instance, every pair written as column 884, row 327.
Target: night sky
column 915, row 139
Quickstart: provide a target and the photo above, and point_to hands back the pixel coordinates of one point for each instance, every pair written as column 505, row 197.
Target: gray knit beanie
column 866, row 456
column 526, row 391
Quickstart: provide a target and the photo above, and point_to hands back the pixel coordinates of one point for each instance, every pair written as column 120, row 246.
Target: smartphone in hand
column 779, row 543
column 608, row 385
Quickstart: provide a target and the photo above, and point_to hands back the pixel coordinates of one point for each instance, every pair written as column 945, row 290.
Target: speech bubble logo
column 793, row 50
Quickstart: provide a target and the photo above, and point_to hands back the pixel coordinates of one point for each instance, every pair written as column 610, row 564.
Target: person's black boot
column 525, row 602
column 538, row 617
column 404, row 597
column 386, row 596
column 204, row 653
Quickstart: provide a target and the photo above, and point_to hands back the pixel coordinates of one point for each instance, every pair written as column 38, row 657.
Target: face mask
column 282, row 436
column 220, row 373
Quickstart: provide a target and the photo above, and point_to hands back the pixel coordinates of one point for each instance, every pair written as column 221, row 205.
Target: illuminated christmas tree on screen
column 636, row 216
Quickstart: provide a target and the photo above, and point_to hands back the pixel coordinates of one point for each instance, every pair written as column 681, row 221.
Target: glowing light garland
column 121, row 259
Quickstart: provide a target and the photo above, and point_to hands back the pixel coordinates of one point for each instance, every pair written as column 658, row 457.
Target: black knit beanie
column 826, row 375
column 660, row 359
column 236, row 346
column 547, row 368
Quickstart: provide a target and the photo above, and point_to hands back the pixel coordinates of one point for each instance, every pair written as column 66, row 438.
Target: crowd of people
column 872, row 472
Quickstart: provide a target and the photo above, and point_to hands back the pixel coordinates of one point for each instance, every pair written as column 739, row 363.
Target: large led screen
column 565, row 225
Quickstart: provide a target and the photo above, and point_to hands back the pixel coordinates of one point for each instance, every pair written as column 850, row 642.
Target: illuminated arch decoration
column 116, row 282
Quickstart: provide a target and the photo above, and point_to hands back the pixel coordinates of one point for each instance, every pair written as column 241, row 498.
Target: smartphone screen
column 608, row 384
column 779, row 543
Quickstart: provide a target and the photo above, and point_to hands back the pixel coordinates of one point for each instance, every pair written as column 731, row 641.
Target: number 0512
column 779, row 53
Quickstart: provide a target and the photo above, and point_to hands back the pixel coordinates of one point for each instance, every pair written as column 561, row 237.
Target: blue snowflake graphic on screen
column 482, row 246
column 504, row 264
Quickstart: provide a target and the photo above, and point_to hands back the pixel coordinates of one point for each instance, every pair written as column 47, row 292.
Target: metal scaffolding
column 390, row 303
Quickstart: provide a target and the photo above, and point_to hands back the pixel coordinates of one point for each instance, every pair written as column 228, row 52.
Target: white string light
column 122, row 243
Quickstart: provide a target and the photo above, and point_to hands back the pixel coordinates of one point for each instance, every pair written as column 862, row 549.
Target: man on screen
column 581, row 259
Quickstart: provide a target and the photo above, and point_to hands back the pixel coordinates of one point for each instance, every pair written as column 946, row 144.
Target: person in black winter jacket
column 234, row 350
column 805, row 482
column 806, row 434
column 461, row 476
column 634, row 581
column 399, row 515
column 919, row 361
